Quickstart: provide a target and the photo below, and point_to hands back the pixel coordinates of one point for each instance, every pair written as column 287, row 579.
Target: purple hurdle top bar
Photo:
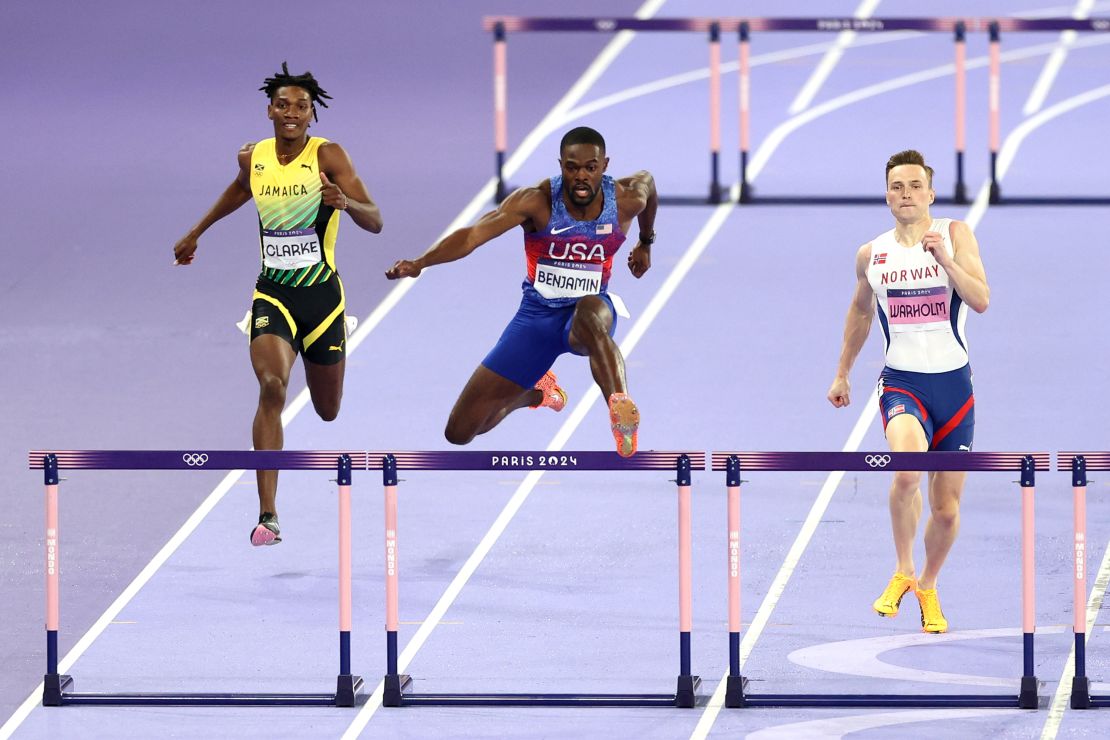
column 1079, row 463
column 515, row 24
column 879, row 461
column 1012, row 25
column 544, row 460
column 58, row 688
column 197, row 459
column 735, row 463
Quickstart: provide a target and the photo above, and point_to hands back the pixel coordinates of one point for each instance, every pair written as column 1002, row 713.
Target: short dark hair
column 582, row 135
column 909, row 156
column 305, row 81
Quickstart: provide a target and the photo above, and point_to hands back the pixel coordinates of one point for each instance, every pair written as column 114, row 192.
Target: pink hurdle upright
column 1078, row 463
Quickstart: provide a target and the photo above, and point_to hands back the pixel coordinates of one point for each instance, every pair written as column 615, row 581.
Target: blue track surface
column 732, row 344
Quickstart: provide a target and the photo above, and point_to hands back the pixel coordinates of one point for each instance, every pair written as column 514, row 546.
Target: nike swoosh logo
column 560, row 231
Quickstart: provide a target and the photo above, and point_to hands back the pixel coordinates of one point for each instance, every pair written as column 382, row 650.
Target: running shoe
column 267, row 531
column 554, row 397
column 624, row 419
column 932, row 618
column 887, row 604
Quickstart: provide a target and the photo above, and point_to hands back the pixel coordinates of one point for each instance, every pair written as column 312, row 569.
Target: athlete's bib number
column 290, row 250
column 917, row 309
column 566, row 279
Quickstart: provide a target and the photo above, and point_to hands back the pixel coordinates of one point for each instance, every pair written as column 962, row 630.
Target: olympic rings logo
column 194, row 459
column 877, row 461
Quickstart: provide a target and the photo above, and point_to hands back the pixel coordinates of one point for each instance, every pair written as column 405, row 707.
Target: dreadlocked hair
column 306, row 81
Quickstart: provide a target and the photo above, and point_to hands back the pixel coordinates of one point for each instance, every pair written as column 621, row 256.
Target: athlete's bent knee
column 946, row 514
column 327, row 410
column 906, row 482
column 271, row 391
column 457, row 433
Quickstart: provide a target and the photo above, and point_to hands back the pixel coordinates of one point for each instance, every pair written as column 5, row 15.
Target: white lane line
column 528, row 146
column 781, row 132
column 685, row 78
column 836, row 727
column 472, row 210
column 1061, row 699
column 973, row 218
column 123, row 599
column 1056, row 60
column 825, row 67
column 702, row 73
column 574, row 420
column 1026, row 127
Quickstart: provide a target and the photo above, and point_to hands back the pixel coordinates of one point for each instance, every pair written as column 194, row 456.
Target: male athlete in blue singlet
column 573, row 225
column 919, row 278
column 300, row 184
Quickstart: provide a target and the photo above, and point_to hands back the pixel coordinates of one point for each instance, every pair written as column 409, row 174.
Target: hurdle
column 1078, row 463
column 956, row 26
column 733, row 463
column 58, row 688
column 744, row 28
column 1014, row 25
column 397, row 687
column 500, row 26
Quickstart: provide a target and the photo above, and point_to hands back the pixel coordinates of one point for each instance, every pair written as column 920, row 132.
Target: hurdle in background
column 956, row 26
column 58, row 688
column 1078, row 463
column 735, row 462
column 396, row 690
column 744, row 27
column 501, row 25
column 1014, row 25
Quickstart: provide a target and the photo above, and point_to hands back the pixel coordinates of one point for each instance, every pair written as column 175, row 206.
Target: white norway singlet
column 921, row 314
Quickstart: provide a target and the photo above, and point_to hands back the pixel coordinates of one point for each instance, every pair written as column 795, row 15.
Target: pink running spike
column 624, row 420
column 554, row 397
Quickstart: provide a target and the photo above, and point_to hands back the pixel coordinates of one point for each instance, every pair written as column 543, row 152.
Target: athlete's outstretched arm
column 645, row 201
column 965, row 268
column 236, row 194
column 857, row 325
column 342, row 188
column 518, row 208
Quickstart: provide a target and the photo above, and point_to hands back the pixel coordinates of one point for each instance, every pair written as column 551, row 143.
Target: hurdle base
column 394, row 691
column 686, row 696
column 735, row 689
column 960, row 198
column 347, row 689
column 1027, row 698
column 170, row 699
column 540, row 700
column 53, row 686
column 396, row 695
column 880, row 700
column 1081, row 693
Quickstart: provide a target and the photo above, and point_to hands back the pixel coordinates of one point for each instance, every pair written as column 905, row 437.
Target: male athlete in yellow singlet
column 300, row 183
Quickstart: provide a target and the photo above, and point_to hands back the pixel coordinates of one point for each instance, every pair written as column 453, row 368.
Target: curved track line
column 974, row 216
column 825, row 67
column 836, row 727
column 861, row 657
